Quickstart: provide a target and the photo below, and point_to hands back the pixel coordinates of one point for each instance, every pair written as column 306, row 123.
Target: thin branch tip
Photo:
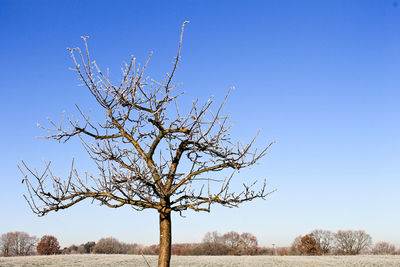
column 141, row 144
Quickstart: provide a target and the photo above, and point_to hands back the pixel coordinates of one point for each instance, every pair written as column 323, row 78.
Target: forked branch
column 140, row 147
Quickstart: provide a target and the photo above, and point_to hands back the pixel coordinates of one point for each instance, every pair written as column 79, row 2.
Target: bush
column 352, row 242
column 384, row 248
column 48, row 245
column 308, row 245
column 109, row 245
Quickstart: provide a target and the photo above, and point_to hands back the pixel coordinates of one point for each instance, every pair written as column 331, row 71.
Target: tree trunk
column 164, row 256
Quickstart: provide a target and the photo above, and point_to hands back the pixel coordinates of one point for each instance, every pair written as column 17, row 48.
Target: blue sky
column 319, row 77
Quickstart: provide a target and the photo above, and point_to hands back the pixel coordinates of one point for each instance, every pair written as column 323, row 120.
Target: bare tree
column 6, row 241
column 239, row 244
column 213, row 244
column 248, row 244
column 212, row 237
column 24, row 244
column 384, row 248
column 17, row 244
column 232, row 241
column 324, row 239
column 141, row 149
column 352, row 242
column 294, row 247
column 229, row 243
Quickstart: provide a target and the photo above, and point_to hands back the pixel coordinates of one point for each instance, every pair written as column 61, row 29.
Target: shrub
column 48, row 245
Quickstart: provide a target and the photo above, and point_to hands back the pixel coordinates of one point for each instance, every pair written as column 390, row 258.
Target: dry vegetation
column 137, row 260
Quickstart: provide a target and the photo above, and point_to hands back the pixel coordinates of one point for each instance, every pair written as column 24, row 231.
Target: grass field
column 197, row 261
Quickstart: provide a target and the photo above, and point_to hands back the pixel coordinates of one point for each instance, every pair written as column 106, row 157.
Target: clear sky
column 319, row 77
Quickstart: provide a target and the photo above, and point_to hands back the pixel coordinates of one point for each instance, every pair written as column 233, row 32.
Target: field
column 197, row 261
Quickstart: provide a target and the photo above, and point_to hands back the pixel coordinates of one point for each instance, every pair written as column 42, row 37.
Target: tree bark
column 164, row 256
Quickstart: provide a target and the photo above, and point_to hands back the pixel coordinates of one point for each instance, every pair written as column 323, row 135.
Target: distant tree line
column 325, row 242
column 318, row 242
column 230, row 243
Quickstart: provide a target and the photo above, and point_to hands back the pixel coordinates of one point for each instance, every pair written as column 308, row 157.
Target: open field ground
column 197, row 261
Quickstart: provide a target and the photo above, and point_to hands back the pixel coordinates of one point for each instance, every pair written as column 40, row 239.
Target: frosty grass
column 94, row 260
